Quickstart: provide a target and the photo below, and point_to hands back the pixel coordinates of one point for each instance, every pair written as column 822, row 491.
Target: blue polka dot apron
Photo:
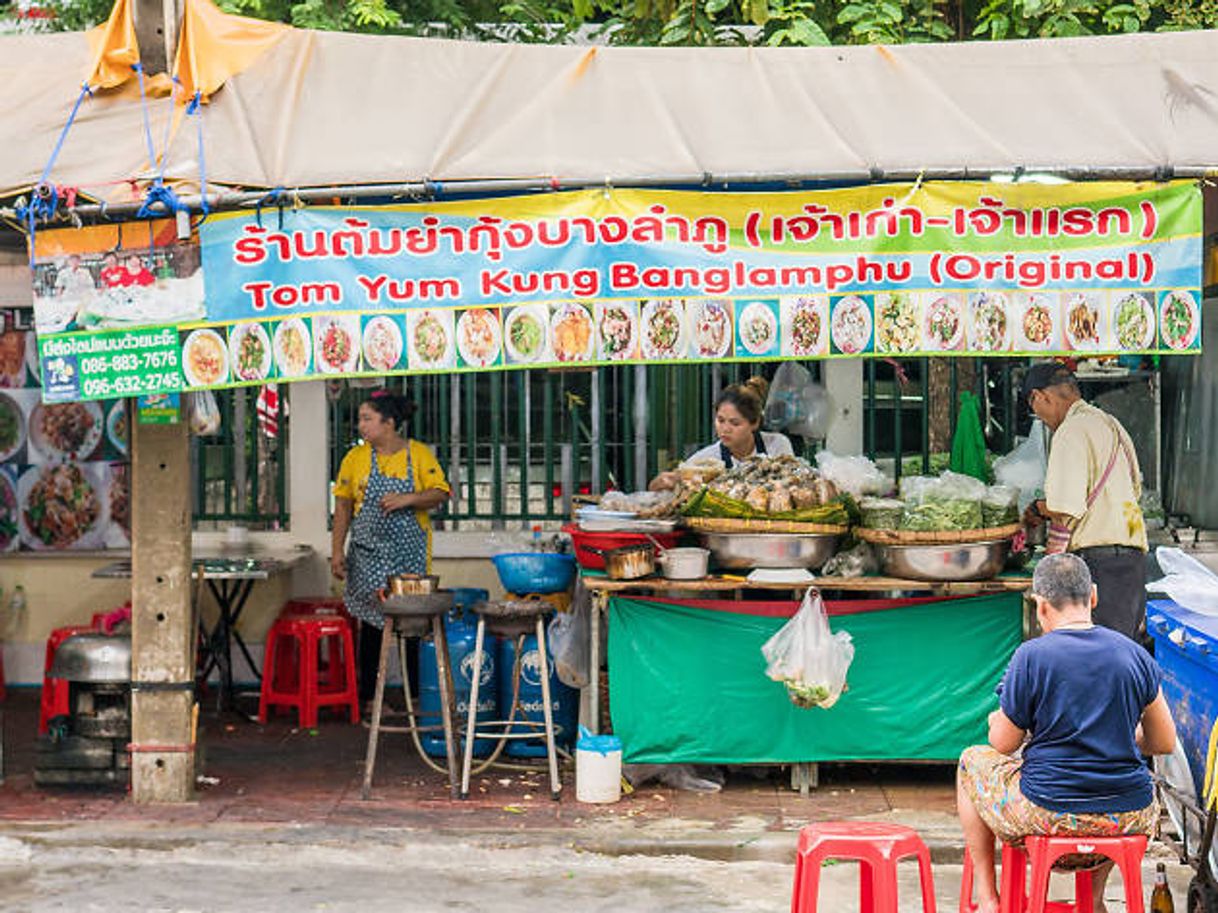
column 382, row 543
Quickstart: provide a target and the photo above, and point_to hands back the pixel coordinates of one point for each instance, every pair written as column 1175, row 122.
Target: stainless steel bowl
column 738, row 551
column 944, row 563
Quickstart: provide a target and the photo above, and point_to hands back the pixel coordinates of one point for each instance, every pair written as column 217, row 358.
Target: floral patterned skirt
column 991, row 780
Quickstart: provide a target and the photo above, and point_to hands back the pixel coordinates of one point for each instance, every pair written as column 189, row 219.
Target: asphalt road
column 135, row 867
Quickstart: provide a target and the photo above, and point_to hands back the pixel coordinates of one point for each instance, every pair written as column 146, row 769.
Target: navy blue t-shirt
column 1079, row 694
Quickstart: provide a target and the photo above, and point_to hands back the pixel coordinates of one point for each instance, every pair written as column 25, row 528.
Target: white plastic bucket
column 598, row 768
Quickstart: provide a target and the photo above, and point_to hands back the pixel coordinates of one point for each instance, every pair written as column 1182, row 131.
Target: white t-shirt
column 775, row 445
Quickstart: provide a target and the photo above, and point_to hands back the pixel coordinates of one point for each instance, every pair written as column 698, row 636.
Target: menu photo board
column 64, row 471
column 624, row 276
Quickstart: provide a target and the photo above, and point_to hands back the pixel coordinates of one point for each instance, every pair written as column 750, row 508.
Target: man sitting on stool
column 1084, row 704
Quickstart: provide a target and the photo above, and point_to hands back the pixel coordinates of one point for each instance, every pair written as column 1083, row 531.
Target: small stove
column 88, row 746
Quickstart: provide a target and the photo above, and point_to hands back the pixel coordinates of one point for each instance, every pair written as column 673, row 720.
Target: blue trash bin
column 564, row 700
column 1186, row 648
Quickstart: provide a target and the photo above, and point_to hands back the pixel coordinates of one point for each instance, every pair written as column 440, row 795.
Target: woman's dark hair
column 748, row 398
column 391, row 407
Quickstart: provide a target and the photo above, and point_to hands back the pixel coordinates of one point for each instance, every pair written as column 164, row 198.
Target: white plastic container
column 598, row 768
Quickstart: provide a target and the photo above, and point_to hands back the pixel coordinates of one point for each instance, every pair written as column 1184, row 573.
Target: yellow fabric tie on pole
column 214, row 45
column 114, row 49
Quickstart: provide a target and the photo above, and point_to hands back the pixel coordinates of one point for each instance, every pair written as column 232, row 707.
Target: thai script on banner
column 622, row 276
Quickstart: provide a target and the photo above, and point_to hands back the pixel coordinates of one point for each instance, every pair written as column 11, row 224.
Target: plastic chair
column 309, row 663
column 1019, row 893
column 876, row 847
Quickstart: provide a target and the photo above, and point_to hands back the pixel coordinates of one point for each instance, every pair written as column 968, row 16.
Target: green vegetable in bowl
column 942, row 515
column 881, row 513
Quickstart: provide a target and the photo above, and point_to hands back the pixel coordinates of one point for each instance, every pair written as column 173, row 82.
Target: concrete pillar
column 162, row 623
column 844, row 381
column 309, row 483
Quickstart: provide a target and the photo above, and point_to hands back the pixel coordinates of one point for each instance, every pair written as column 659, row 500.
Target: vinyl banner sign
column 634, row 276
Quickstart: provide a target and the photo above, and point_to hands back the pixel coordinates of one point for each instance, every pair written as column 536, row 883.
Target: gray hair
column 1062, row 581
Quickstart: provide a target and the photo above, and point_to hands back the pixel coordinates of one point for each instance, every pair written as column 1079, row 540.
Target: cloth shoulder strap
column 1119, row 447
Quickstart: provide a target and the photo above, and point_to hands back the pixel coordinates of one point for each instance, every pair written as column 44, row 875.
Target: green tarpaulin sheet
column 687, row 680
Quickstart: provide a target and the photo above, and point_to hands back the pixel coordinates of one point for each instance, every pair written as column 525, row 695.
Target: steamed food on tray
column 770, row 488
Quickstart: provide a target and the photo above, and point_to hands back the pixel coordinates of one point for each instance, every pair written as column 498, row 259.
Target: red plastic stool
column 876, row 847
column 298, row 648
column 54, row 698
column 1045, row 852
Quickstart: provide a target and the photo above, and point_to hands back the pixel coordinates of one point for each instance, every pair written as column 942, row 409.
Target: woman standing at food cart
column 738, row 412
column 386, row 487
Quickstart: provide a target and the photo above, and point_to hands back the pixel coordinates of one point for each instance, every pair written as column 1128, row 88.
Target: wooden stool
column 405, row 617
column 877, row 848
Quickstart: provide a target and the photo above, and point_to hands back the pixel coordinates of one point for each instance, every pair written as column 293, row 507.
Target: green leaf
column 759, row 12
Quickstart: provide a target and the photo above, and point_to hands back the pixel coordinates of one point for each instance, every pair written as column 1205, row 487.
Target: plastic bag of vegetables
column 808, row 658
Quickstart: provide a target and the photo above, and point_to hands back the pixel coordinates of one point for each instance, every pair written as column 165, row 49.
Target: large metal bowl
column 738, row 551
column 944, row 563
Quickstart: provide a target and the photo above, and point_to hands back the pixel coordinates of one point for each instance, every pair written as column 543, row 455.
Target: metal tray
column 737, row 551
column 421, row 604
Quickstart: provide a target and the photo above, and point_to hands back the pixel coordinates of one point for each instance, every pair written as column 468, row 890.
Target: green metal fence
column 518, row 446
column 240, row 474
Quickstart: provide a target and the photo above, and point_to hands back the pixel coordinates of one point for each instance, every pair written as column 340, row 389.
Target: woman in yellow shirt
column 385, row 489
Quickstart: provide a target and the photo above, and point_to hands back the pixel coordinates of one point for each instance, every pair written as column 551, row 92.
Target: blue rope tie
column 195, row 109
column 159, row 200
column 139, row 71
column 273, row 197
column 85, row 92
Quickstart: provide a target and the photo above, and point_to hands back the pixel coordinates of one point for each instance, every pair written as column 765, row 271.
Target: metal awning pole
column 419, row 191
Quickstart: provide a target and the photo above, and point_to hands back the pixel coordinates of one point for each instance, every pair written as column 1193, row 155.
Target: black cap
column 1046, row 374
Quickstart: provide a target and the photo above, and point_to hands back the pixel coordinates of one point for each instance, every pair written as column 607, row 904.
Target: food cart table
column 230, row 577
column 688, row 684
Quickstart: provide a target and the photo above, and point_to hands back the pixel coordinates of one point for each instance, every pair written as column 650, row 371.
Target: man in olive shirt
column 1093, row 487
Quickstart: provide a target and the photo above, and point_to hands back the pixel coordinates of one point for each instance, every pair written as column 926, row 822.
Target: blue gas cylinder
column 461, row 627
column 564, row 700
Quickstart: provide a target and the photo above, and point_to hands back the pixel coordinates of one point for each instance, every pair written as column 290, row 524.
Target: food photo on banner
column 64, row 482
column 622, row 276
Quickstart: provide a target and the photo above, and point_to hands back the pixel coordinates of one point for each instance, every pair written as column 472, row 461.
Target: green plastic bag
column 968, row 443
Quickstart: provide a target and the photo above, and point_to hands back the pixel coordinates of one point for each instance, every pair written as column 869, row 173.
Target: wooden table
column 602, row 588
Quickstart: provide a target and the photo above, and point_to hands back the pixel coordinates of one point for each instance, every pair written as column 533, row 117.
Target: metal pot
column 412, row 584
column 90, row 657
column 944, row 563
column 684, row 563
column 738, row 551
column 628, row 562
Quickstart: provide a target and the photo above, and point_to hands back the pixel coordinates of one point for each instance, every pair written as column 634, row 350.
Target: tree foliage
column 714, row 22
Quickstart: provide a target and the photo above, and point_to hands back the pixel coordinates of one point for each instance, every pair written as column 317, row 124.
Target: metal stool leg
column 445, row 674
column 547, row 710
column 472, row 719
column 378, row 699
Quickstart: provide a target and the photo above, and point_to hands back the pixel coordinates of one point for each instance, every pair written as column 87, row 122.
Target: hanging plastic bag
column 797, row 403
column 856, row 475
column 569, row 642
column 808, row 658
column 204, row 413
column 1024, row 467
column 968, row 443
column 1187, row 581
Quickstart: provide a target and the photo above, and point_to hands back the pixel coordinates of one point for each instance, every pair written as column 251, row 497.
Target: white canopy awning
column 322, row 109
